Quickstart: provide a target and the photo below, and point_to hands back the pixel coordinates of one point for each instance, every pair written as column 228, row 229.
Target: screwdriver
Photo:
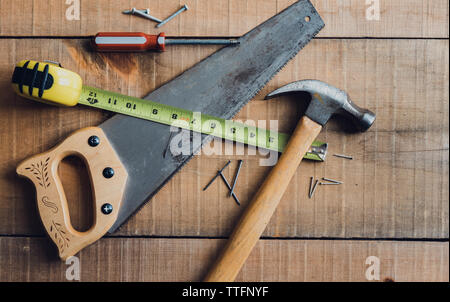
column 137, row 41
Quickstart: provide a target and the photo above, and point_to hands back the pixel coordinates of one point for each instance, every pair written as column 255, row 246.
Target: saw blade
column 219, row 85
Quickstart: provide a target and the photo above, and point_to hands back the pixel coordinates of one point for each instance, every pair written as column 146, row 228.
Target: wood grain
column 405, row 82
column 346, row 18
column 152, row 259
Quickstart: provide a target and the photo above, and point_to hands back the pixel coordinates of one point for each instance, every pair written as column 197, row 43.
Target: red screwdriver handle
column 126, row 41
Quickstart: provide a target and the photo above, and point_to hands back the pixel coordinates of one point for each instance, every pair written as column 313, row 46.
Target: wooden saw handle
column 42, row 170
column 258, row 213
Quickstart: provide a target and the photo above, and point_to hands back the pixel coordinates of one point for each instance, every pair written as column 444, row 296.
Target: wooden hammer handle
column 258, row 213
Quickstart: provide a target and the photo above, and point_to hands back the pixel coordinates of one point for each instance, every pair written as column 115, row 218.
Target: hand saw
column 124, row 154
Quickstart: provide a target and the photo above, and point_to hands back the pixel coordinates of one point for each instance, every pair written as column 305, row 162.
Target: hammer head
column 326, row 101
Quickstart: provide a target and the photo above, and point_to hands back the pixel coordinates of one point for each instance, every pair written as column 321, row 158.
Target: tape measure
column 49, row 83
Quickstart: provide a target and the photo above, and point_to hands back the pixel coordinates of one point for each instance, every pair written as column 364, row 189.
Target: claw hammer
column 326, row 101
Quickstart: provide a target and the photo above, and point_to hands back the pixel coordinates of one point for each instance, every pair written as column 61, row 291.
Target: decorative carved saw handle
column 92, row 145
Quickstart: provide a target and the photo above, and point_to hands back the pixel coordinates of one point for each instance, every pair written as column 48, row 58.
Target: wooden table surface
column 394, row 200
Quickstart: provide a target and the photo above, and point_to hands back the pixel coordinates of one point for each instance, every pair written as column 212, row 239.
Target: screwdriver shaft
column 201, row 41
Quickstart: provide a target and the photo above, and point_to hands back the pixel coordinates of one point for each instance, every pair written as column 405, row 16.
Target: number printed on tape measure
column 185, row 119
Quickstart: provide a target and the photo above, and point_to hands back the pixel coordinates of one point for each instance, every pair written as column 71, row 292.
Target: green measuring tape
column 194, row 121
column 66, row 88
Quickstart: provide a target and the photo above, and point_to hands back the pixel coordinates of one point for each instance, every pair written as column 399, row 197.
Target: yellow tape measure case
column 47, row 83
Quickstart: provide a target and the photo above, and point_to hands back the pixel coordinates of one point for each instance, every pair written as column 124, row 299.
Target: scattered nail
column 236, row 176
column 218, row 173
column 161, row 23
column 130, row 11
column 229, row 187
column 332, row 180
column 311, row 180
column 314, row 188
column 343, row 156
column 135, row 11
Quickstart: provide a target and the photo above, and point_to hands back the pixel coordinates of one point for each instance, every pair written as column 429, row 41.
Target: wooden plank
column 347, row 18
column 396, row 186
column 151, row 259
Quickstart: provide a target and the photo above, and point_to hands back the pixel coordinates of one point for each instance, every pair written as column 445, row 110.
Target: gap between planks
column 227, row 37
column 261, row 238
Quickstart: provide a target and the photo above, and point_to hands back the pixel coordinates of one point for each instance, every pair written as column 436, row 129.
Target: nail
column 130, row 11
column 236, row 177
column 343, row 156
column 332, row 180
column 314, row 188
column 329, row 183
column 144, row 15
column 218, row 173
column 310, row 186
column 161, row 23
column 229, row 187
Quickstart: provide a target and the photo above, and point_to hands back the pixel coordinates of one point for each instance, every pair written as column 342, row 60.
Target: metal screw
column 107, row 208
column 144, row 15
column 108, row 172
column 161, row 23
column 93, row 141
column 229, row 188
column 343, row 156
column 236, row 177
